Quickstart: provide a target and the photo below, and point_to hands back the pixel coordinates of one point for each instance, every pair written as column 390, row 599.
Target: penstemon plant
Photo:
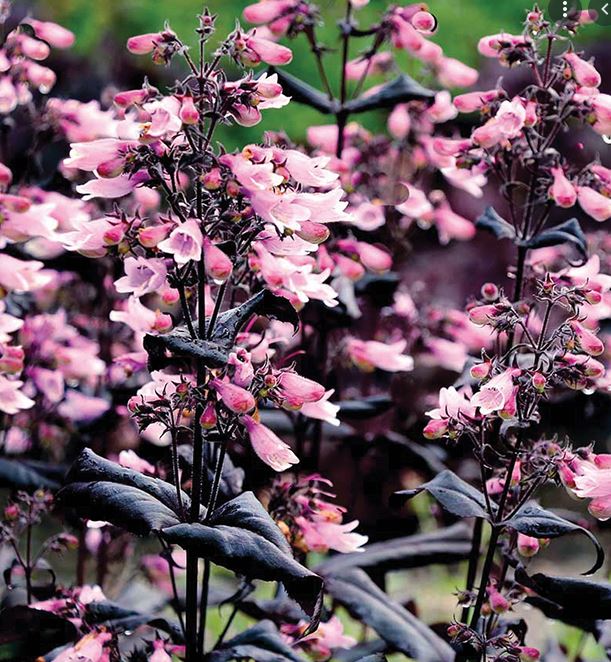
column 186, row 332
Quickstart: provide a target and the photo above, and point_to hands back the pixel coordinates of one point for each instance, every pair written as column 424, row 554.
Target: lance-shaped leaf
column 400, row 90
column 90, row 467
column 532, row 520
column 454, row 495
column 26, row 633
column 368, row 650
column 116, row 618
column 214, row 351
column 578, row 598
column 494, row 223
column 121, row 505
column 241, row 536
column 569, row 232
column 448, row 545
column 301, row 92
column 261, row 643
column 399, row 628
column 23, row 476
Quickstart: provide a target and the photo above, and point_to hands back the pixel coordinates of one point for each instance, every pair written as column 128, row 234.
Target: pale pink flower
column 131, row 460
column 185, row 242
column 585, row 74
column 145, row 43
column 82, row 408
column 368, row 216
column 328, row 637
column 511, row 116
column 594, row 483
column 258, row 49
column 49, row 382
column 322, row 409
column 321, row 535
column 453, row 404
column 451, row 225
column 527, row 545
column 370, row 354
column 307, row 170
column 587, row 340
column 497, row 393
column 235, row 398
column 54, row 34
column 112, row 187
column 417, row 206
column 217, row 263
column 601, row 105
column 266, row 11
column 91, row 648
column 593, row 203
column 159, row 652
column 12, row 400
column 562, row 191
column 294, row 390
column 22, row 275
column 442, row 109
column 142, row 276
column 268, row 446
column 140, row 318
column 399, row 122
column 472, row 101
column 491, row 45
column 453, row 73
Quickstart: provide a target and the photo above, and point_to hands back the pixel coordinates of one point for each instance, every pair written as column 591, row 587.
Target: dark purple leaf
column 532, row 520
column 401, row 90
column 399, row 628
column 569, row 232
column 454, row 495
column 494, row 223
column 304, row 93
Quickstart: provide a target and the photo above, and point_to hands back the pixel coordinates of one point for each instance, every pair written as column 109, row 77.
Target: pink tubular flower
column 588, row 341
column 253, row 50
column 453, row 73
column 295, row 390
column 399, row 122
column 593, row 203
column 90, row 648
column 132, row 460
column 322, row 409
column 12, row 400
column 491, row 45
column 159, row 652
column 328, row 637
column 218, row 264
column 452, row 406
column 321, row 535
column 54, row 34
column 451, row 225
column 235, row 398
column 268, row 446
column 562, row 191
column 370, row 354
column 601, row 105
column 373, row 258
column 145, row 43
column 584, row 73
column 142, row 276
column 511, row 116
column 497, row 394
column 266, row 11
column 472, row 101
column 185, row 242
column 593, row 482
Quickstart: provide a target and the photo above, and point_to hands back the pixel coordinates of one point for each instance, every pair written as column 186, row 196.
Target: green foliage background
column 102, row 27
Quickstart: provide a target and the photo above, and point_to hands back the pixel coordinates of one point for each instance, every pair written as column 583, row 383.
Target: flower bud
column 208, row 417
column 12, row 512
column 527, row 545
column 539, row 382
column 212, row 180
column 163, row 322
column 498, row 602
column 490, row 292
column 424, row 21
column 435, row 429
column 113, row 235
column 315, row 233
column 188, row 112
column 480, row 371
column 150, row 236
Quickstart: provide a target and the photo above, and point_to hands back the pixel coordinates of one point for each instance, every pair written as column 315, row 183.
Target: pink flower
column 112, row 187
column 443, row 109
column 451, row 225
column 321, row 535
column 22, row 275
column 424, row 21
column 399, row 122
column 562, row 191
column 452, row 406
column 145, row 43
column 266, row 11
column 82, row 408
column 54, row 34
column 218, row 265
column 453, row 73
column 268, row 446
column 328, row 637
column 584, row 73
column 12, row 400
column 322, row 409
column 131, row 460
column 594, row 483
column 91, row 648
column 185, row 242
column 159, row 652
column 527, row 545
column 472, row 101
column 511, row 116
column 496, row 394
column 188, row 112
column 370, row 354
column 142, row 276
column 489, row 134
column 491, row 45
column 235, row 398
column 294, row 390
column 593, row 203
column 140, row 318
column 601, row 105
column 587, row 340
column 253, row 50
